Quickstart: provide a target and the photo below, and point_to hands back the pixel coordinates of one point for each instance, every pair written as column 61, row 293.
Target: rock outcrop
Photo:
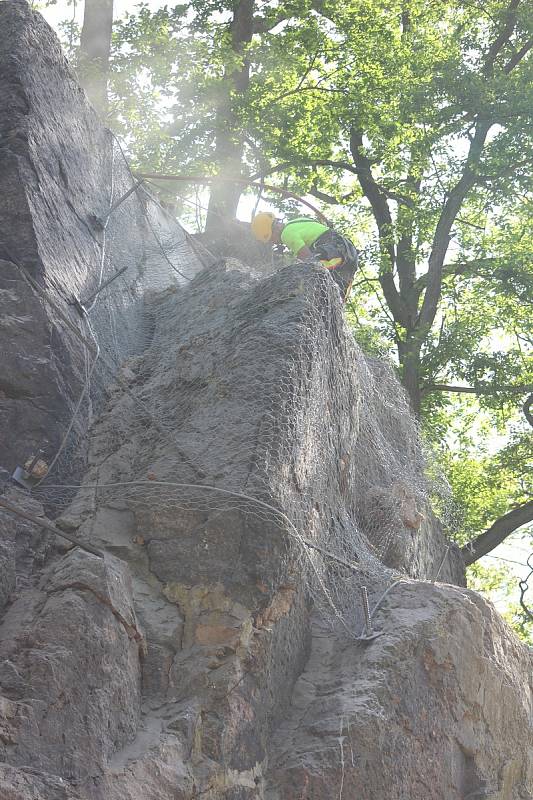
column 437, row 707
column 245, row 471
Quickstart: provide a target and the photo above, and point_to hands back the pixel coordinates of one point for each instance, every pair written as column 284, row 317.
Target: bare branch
column 399, row 198
column 497, row 533
column 326, row 198
column 320, row 162
column 326, row 162
column 329, row 198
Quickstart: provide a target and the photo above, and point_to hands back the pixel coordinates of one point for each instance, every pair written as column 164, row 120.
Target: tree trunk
column 95, row 46
column 224, row 197
column 409, row 356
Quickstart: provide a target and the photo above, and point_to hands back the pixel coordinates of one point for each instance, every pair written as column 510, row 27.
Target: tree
column 94, row 51
column 432, row 103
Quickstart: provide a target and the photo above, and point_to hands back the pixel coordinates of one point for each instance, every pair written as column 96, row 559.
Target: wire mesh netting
column 111, row 306
column 216, row 400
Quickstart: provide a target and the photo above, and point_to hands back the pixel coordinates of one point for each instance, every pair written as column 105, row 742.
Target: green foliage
column 483, row 489
column 500, row 584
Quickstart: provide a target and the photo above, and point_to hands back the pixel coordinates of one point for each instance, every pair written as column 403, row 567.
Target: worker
column 309, row 240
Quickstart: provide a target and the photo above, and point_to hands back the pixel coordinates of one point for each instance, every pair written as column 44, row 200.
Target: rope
column 445, row 556
column 104, row 230
column 204, row 486
column 160, row 245
column 112, row 368
column 45, row 296
column 380, row 600
column 138, row 185
column 104, row 285
column 77, row 407
column 44, row 523
column 292, row 531
column 90, row 370
column 194, row 203
column 193, row 243
column 93, row 346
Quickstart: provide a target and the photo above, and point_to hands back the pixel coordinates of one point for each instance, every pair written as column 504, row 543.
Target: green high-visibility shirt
column 301, row 232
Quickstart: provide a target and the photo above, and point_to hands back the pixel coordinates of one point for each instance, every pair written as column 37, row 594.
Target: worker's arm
column 305, row 254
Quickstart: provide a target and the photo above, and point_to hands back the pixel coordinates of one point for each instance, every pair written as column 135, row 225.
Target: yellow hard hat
column 262, row 225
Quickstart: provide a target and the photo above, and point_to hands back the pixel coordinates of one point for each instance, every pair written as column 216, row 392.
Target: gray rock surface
column 69, row 668
column 439, row 706
column 59, row 170
column 202, row 656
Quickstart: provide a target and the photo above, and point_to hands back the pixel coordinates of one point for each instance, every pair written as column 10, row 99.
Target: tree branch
column 299, row 89
column 503, row 37
column 372, row 192
column 326, row 162
column 467, row 180
column 382, row 215
column 329, row 198
column 449, row 212
column 317, row 162
column 405, row 258
column 299, row 85
column 460, row 268
column 494, row 389
column 497, row 533
column 517, row 57
column 265, row 24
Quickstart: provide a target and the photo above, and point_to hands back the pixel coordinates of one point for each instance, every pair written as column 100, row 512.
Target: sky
column 514, row 552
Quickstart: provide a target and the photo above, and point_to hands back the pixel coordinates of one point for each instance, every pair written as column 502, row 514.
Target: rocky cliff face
column 244, row 471
column 60, row 173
